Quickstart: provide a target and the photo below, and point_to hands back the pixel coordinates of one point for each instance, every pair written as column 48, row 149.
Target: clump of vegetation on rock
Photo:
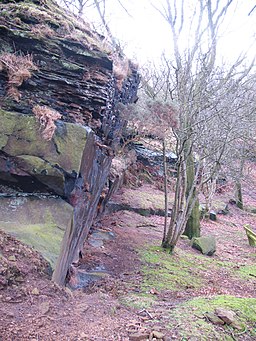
column 46, row 117
column 18, row 69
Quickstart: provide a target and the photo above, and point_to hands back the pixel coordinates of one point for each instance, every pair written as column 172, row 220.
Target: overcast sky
column 145, row 34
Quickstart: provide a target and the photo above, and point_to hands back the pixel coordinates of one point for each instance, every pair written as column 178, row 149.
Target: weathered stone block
column 37, row 221
column 48, row 161
column 207, row 245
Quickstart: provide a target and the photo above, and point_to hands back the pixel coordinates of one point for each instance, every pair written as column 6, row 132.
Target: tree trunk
column 165, row 192
column 239, row 196
column 193, row 224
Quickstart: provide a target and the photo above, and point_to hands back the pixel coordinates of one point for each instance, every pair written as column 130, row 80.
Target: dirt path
column 129, row 299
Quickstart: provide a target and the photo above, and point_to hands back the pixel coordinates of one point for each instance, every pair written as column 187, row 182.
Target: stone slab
column 39, row 222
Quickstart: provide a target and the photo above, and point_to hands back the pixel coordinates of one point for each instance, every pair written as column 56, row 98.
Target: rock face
column 39, row 221
column 60, row 86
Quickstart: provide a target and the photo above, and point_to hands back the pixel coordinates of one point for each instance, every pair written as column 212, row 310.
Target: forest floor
column 144, row 292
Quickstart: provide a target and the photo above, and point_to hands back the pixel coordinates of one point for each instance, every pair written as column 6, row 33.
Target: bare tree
column 199, row 89
column 243, row 147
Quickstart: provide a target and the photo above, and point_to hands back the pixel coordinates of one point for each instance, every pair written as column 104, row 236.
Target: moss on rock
column 48, row 161
column 38, row 222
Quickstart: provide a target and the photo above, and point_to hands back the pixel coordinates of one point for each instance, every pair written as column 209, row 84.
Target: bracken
column 18, row 69
column 46, row 117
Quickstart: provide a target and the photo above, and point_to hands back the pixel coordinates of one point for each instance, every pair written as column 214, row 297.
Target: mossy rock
column 48, row 161
column 37, row 222
column 207, row 245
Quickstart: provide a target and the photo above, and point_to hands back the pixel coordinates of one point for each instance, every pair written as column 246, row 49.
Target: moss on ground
column 247, row 271
column 190, row 316
column 163, row 271
column 139, row 301
column 182, row 270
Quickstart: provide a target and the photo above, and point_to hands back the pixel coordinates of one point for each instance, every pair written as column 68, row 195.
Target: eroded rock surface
column 60, row 84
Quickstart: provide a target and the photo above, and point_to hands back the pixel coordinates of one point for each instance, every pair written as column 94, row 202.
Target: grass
column 162, row 271
column 139, row 301
column 192, row 323
column 247, row 271
column 181, row 271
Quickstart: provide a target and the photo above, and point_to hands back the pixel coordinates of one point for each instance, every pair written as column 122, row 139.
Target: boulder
column 139, row 336
column 214, row 318
column 213, row 216
column 207, row 245
column 54, row 163
column 228, row 316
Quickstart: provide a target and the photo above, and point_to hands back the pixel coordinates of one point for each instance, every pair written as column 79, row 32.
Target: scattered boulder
column 98, row 237
column 140, row 336
column 223, row 316
column 224, row 211
column 207, row 245
column 228, row 316
column 156, row 335
column 214, row 318
column 213, row 216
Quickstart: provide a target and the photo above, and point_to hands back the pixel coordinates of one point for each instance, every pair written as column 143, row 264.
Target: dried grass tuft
column 121, row 69
column 42, row 30
column 18, row 69
column 46, row 117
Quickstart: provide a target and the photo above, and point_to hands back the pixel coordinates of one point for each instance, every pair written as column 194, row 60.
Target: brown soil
column 34, row 308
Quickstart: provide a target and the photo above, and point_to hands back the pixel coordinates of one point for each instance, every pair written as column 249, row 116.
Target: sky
column 144, row 33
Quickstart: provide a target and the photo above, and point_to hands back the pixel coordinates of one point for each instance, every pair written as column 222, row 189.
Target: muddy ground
column 138, row 296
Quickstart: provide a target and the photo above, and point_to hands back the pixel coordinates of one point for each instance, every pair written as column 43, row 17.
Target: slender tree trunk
column 177, row 216
column 239, row 195
column 165, row 192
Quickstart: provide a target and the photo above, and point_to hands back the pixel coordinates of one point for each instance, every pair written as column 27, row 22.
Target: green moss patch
column 190, row 316
column 247, row 271
column 45, row 238
column 163, row 271
column 140, row 301
column 37, row 222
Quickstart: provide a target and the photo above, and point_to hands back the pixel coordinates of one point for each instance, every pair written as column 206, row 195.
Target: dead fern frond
column 13, row 93
column 121, row 69
column 18, row 69
column 46, row 117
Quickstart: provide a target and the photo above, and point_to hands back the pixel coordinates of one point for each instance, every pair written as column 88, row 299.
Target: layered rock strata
column 60, row 86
